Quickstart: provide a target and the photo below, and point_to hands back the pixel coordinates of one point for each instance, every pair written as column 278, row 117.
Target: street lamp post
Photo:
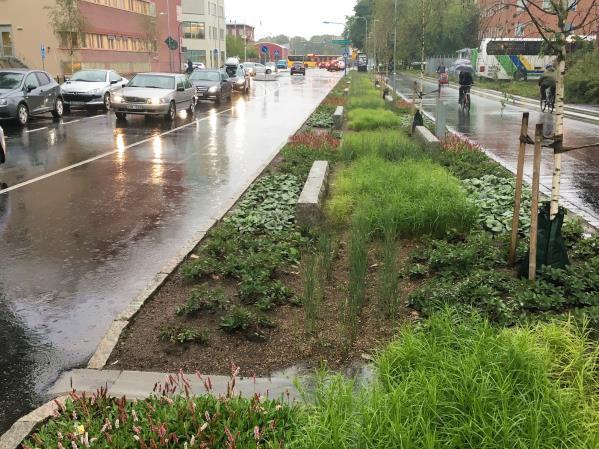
column 168, row 27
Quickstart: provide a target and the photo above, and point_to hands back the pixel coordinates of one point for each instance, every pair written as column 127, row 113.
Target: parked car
column 282, row 64
column 250, row 67
column 154, row 94
column 239, row 78
column 2, row 147
column 91, row 88
column 25, row 92
column 270, row 67
column 298, row 68
column 211, row 85
column 259, row 68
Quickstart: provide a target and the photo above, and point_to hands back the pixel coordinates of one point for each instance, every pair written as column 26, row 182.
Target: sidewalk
column 585, row 113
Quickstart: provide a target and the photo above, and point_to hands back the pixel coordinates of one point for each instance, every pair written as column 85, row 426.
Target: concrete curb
column 585, row 215
column 28, row 423
column 112, row 336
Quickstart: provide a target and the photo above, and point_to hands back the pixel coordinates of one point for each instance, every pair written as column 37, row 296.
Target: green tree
column 68, row 24
column 236, row 47
column 355, row 27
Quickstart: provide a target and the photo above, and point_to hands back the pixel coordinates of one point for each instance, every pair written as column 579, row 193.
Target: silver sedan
column 91, row 88
column 154, row 94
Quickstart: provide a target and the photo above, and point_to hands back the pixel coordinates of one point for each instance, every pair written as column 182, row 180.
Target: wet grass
column 391, row 146
column 371, row 119
column 457, row 382
column 358, row 268
column 421, row 197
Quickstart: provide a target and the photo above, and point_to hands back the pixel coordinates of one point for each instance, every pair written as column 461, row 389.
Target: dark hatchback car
column 211, row 85
column 24, row 93
column 298, row 68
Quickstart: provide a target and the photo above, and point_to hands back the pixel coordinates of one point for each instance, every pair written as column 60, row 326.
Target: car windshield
column 10, row 80
column 204, row 75
column 233, row 70
column 91, row 76
column 153, row 81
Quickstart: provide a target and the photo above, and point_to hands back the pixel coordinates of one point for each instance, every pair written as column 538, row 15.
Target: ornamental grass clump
column 457, row 382
column 358, row 269
column 420, row 196
column 391, row 146
column 371, row 119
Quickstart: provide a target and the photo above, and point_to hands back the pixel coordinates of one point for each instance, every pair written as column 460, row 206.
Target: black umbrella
column 464, row 68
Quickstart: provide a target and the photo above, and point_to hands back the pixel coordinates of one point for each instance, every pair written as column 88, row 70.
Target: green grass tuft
column 391, row 146
column 371, row 119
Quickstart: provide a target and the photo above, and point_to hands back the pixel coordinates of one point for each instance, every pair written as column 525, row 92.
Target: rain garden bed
column 408, row 271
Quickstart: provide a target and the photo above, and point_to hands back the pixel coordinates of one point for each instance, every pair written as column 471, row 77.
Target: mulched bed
column 287, row 345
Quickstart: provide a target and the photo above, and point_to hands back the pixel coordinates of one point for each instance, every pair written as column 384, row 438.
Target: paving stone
column 338, row 118
column 84, row 380
column 309, row 204
column 428, row 139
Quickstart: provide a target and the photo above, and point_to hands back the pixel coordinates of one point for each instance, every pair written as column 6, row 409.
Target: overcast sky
column 290, row 17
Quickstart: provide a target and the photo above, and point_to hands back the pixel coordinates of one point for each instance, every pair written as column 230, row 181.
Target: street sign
column 171, row 43
column 264, row 49
column 43, row 51
column 340, row 41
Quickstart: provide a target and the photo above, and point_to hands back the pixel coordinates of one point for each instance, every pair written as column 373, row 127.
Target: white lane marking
column 72, row 121
column 35, row 130
column 114, row 151
column 108, row 153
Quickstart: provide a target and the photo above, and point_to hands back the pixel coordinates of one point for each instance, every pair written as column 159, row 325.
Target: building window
column 196, row 55
column 572, row 4
column 194, row 30
column 222, row 35
column 519, row 30
column 138, row 6
column 547, row 6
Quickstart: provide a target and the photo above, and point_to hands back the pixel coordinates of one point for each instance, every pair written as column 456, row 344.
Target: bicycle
column 465, row 98
column 549, row 101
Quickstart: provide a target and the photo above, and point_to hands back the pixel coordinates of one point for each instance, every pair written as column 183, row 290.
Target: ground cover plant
column 421, row 197
column 389, row 146
column 322, row 117
column 455, row 381
column 171, row 418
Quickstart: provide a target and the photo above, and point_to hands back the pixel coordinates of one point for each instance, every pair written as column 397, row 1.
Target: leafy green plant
column 322, row 117
column 243, row 319
column 468, row 163
column 494, row 197
column 422, row 197
column 203, row 298
column 298, row 159
column 586, row 248
column 181, row 335
column 371, row 119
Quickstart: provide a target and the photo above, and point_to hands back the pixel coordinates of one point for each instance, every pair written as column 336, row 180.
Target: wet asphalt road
column 499, row 133
column 93, row 209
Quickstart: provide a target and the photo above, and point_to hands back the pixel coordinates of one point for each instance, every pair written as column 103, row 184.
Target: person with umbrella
column 466, row 80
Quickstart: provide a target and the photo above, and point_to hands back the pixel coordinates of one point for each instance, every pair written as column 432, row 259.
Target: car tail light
column 482, row 68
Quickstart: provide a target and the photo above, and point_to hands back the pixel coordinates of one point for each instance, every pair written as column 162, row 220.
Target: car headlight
column 157, row 100
column 3, row 102
column 95, row 91
column 117, row 99
column 213, row 89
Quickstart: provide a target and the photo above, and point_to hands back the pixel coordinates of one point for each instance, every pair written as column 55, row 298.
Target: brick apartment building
column 125, row 35
column 240, row 30
column 502, row 18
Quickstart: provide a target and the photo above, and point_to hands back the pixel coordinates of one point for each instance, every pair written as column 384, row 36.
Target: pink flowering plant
column 171, row 418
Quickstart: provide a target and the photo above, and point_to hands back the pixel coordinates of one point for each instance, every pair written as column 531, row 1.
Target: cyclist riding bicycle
column 466, row 80
column 547, row 81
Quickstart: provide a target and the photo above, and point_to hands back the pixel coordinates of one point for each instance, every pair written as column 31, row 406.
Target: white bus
column 510, row 58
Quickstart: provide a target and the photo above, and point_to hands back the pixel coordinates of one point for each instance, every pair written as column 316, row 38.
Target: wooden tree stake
column 518, row 193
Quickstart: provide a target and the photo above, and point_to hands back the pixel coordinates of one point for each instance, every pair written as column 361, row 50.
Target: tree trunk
column 559, row 114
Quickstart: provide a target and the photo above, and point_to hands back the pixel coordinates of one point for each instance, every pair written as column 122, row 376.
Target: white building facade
column 203, row 32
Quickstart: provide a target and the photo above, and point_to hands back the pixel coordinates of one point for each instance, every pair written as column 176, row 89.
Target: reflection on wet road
column 498, row 132
column 94, row 208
